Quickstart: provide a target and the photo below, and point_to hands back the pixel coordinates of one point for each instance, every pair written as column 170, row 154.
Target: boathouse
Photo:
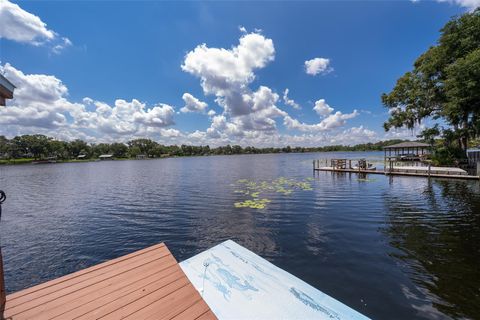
column 407, row 151
column 106, row 157
column 6, row 90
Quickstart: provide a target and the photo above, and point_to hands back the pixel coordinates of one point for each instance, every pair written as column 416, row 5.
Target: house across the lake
column 6, row 90
column 81, row 156
column 106, row 157
column 141, row 157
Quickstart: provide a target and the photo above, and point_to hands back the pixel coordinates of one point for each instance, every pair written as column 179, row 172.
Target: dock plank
column 94, row 268
column 145, row 284
column 78, row 283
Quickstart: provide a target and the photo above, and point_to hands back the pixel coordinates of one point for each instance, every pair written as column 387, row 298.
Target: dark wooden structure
column 473, row 156
column 6, row 90
column 147, row 284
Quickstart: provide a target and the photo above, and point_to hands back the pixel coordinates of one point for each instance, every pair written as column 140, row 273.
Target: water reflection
column 437, row 232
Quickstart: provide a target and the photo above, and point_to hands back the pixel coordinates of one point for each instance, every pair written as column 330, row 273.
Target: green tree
column 119, row 150
column 77, row 147
column 444, row 84
column 146, row 146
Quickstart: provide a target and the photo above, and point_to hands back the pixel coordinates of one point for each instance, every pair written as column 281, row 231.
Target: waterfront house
column 6, row 90
column 81, row 156
column 141, row 157
column 104, row 157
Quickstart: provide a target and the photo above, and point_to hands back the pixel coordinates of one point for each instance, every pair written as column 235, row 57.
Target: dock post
column 478, row 168
column 3, row 294
column 429, row 169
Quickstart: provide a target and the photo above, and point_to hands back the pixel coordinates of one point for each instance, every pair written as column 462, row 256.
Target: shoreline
column 25, row 161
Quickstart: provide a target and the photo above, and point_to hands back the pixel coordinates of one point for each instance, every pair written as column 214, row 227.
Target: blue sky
column 105, row 71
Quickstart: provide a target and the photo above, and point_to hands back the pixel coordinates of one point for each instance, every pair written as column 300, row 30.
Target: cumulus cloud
column 19, row 25
column 222, row 70
column 322, row 108
column 331, row 122
column 288, row 101
column 226, row 74
column 192, row 104
column 41, row 104
column 328, row 122
column 248, row 114
column 318, row 66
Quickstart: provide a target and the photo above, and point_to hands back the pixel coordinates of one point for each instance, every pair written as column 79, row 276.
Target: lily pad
column 258, row 189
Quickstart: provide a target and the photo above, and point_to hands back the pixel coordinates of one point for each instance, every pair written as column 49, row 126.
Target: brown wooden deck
column 147, row 284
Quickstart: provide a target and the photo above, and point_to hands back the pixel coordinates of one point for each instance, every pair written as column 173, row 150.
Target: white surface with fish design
column 241, row 285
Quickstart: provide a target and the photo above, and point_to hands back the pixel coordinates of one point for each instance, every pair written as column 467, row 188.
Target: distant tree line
column 41, row 147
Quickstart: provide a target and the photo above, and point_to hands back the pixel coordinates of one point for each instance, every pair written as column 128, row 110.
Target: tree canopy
column 41, row 147
column 444, row 85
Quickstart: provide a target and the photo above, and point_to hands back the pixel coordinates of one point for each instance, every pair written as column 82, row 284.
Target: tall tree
column 444, row 83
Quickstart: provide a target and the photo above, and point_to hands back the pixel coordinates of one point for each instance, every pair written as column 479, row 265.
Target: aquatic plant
column 255, row 189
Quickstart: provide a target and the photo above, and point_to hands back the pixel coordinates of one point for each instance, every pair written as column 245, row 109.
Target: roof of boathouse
column 408, row 144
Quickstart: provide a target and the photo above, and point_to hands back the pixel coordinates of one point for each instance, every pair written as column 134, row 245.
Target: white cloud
column 405, row 133
column 19, row 25
column 288, row 101
column 330, row 121
column 355, row 135
column 192, row 104
column 469, row 4
column 318, row 66
column 227, row 73
column 242, row 29
column 250, row 116
column 221, row 70
column 41, row 105
column 322, row 108
column 333, row 121
column 62, row 45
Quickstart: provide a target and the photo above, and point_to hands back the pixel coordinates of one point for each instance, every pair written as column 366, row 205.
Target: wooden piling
column 3, row 294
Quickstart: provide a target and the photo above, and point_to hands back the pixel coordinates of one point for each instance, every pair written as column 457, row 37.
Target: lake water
column 390, row 247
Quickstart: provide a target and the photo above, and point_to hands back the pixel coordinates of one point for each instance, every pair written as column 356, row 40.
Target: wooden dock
column 419, row 173
column 147, row 284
